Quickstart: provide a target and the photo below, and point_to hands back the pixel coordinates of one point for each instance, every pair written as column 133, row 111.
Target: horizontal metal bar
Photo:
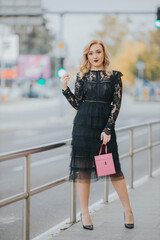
column 30, row 192
column 37, row 149
column 125, row 155
column 49, row 185
column 12, row 199
column 136, row 126
column 100, row 12
column 61, row 180
column 155, row 144
column 146, row 147
column 40, row 13
column 20, row 14
column 42, row 148
column 34, row 191
column 139, row 150
column 24, row 152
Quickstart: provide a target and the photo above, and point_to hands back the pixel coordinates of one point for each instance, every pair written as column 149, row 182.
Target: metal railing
column 28, row 192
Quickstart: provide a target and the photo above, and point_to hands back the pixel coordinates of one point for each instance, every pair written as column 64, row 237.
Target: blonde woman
column 97, row 97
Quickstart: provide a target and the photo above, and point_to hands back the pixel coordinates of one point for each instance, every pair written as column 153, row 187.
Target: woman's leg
column 83, row 191
column 121, row 189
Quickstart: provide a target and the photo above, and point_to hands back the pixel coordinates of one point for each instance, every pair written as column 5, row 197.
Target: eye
column 98, row 52
column 90, row 53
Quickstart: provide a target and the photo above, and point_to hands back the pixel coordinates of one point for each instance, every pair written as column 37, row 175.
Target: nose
column 95, row 55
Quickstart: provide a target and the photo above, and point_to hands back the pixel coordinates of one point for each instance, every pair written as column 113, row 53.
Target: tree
column 113, row 33
column 127, row 47
column 35, row 39
column 151, row 57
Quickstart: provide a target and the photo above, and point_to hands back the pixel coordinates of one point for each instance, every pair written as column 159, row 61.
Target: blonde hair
column 85, row 65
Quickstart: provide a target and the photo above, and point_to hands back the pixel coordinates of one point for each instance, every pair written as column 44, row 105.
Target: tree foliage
column 35, row 39
column 151, row 57
column 129, row 46
column 113, row 33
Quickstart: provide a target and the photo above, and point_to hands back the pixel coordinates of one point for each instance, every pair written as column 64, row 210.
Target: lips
column 96, row 60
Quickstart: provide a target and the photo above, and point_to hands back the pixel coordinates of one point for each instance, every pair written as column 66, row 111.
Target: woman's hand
column 64, row 79
column 106, row 138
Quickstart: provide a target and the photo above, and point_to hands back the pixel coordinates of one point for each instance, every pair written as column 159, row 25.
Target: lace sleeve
column 117, row 98
column 76, row 98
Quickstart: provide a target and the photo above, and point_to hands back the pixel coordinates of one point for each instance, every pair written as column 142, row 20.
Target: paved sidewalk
column 109, row 220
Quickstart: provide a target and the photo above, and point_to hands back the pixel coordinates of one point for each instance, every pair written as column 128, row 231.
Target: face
column 96, row 56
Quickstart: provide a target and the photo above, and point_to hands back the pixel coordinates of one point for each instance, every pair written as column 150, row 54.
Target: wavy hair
column 85, row 65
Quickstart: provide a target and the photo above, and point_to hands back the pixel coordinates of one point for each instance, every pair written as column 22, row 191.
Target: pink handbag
column 104, row 163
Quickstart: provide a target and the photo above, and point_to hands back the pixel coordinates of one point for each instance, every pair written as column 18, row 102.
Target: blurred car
column 37, row 91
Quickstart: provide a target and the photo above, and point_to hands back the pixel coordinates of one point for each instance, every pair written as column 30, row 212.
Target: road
column 36, row 122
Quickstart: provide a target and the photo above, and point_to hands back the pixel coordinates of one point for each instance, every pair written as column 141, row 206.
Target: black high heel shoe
column 128, row 225
column 88, row 227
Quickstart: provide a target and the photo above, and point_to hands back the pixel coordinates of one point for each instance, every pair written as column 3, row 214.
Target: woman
column 96, row 87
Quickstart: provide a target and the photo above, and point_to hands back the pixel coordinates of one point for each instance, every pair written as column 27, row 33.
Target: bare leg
column 83, row 191
column 121, row 189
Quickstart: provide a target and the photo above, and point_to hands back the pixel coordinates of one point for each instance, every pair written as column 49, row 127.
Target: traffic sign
column 60, row 49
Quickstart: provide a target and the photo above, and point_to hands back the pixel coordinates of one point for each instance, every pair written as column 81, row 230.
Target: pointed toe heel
column 88, row 227
column 128, row 225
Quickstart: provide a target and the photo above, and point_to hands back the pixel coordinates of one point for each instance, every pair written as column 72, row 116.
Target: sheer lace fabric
column 97, row 99
column 109, row 90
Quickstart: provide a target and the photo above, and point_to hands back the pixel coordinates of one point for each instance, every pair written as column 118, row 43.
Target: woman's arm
column 76, row 98
column 117, row 98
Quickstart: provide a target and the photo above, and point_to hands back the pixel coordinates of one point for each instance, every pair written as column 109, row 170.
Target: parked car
column 37, row 91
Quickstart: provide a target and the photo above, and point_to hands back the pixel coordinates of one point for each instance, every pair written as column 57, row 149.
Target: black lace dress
column 97, row 98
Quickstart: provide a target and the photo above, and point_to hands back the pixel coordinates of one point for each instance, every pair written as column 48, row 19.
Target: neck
column 97, row 68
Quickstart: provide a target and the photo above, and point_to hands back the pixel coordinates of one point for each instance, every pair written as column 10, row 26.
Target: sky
column 78, row 29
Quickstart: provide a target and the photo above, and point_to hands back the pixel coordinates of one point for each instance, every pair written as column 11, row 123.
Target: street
column 28, row 124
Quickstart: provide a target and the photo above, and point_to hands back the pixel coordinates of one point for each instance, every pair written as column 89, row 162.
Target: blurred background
column 38, row 37
column 40, row 40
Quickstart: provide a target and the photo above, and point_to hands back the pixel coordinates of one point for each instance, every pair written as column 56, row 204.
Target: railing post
column 131, row 158
column 26, row 205
column 106, row 189
column 73, row 203
column 150, row 149
column 27, row 177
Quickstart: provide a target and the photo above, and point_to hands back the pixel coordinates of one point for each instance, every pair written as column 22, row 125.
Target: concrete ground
column 109, row 220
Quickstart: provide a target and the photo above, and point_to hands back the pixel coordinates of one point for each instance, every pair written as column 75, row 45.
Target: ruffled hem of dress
column 86, row 176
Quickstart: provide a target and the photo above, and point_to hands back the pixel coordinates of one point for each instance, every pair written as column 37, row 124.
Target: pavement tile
column 109, row 221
